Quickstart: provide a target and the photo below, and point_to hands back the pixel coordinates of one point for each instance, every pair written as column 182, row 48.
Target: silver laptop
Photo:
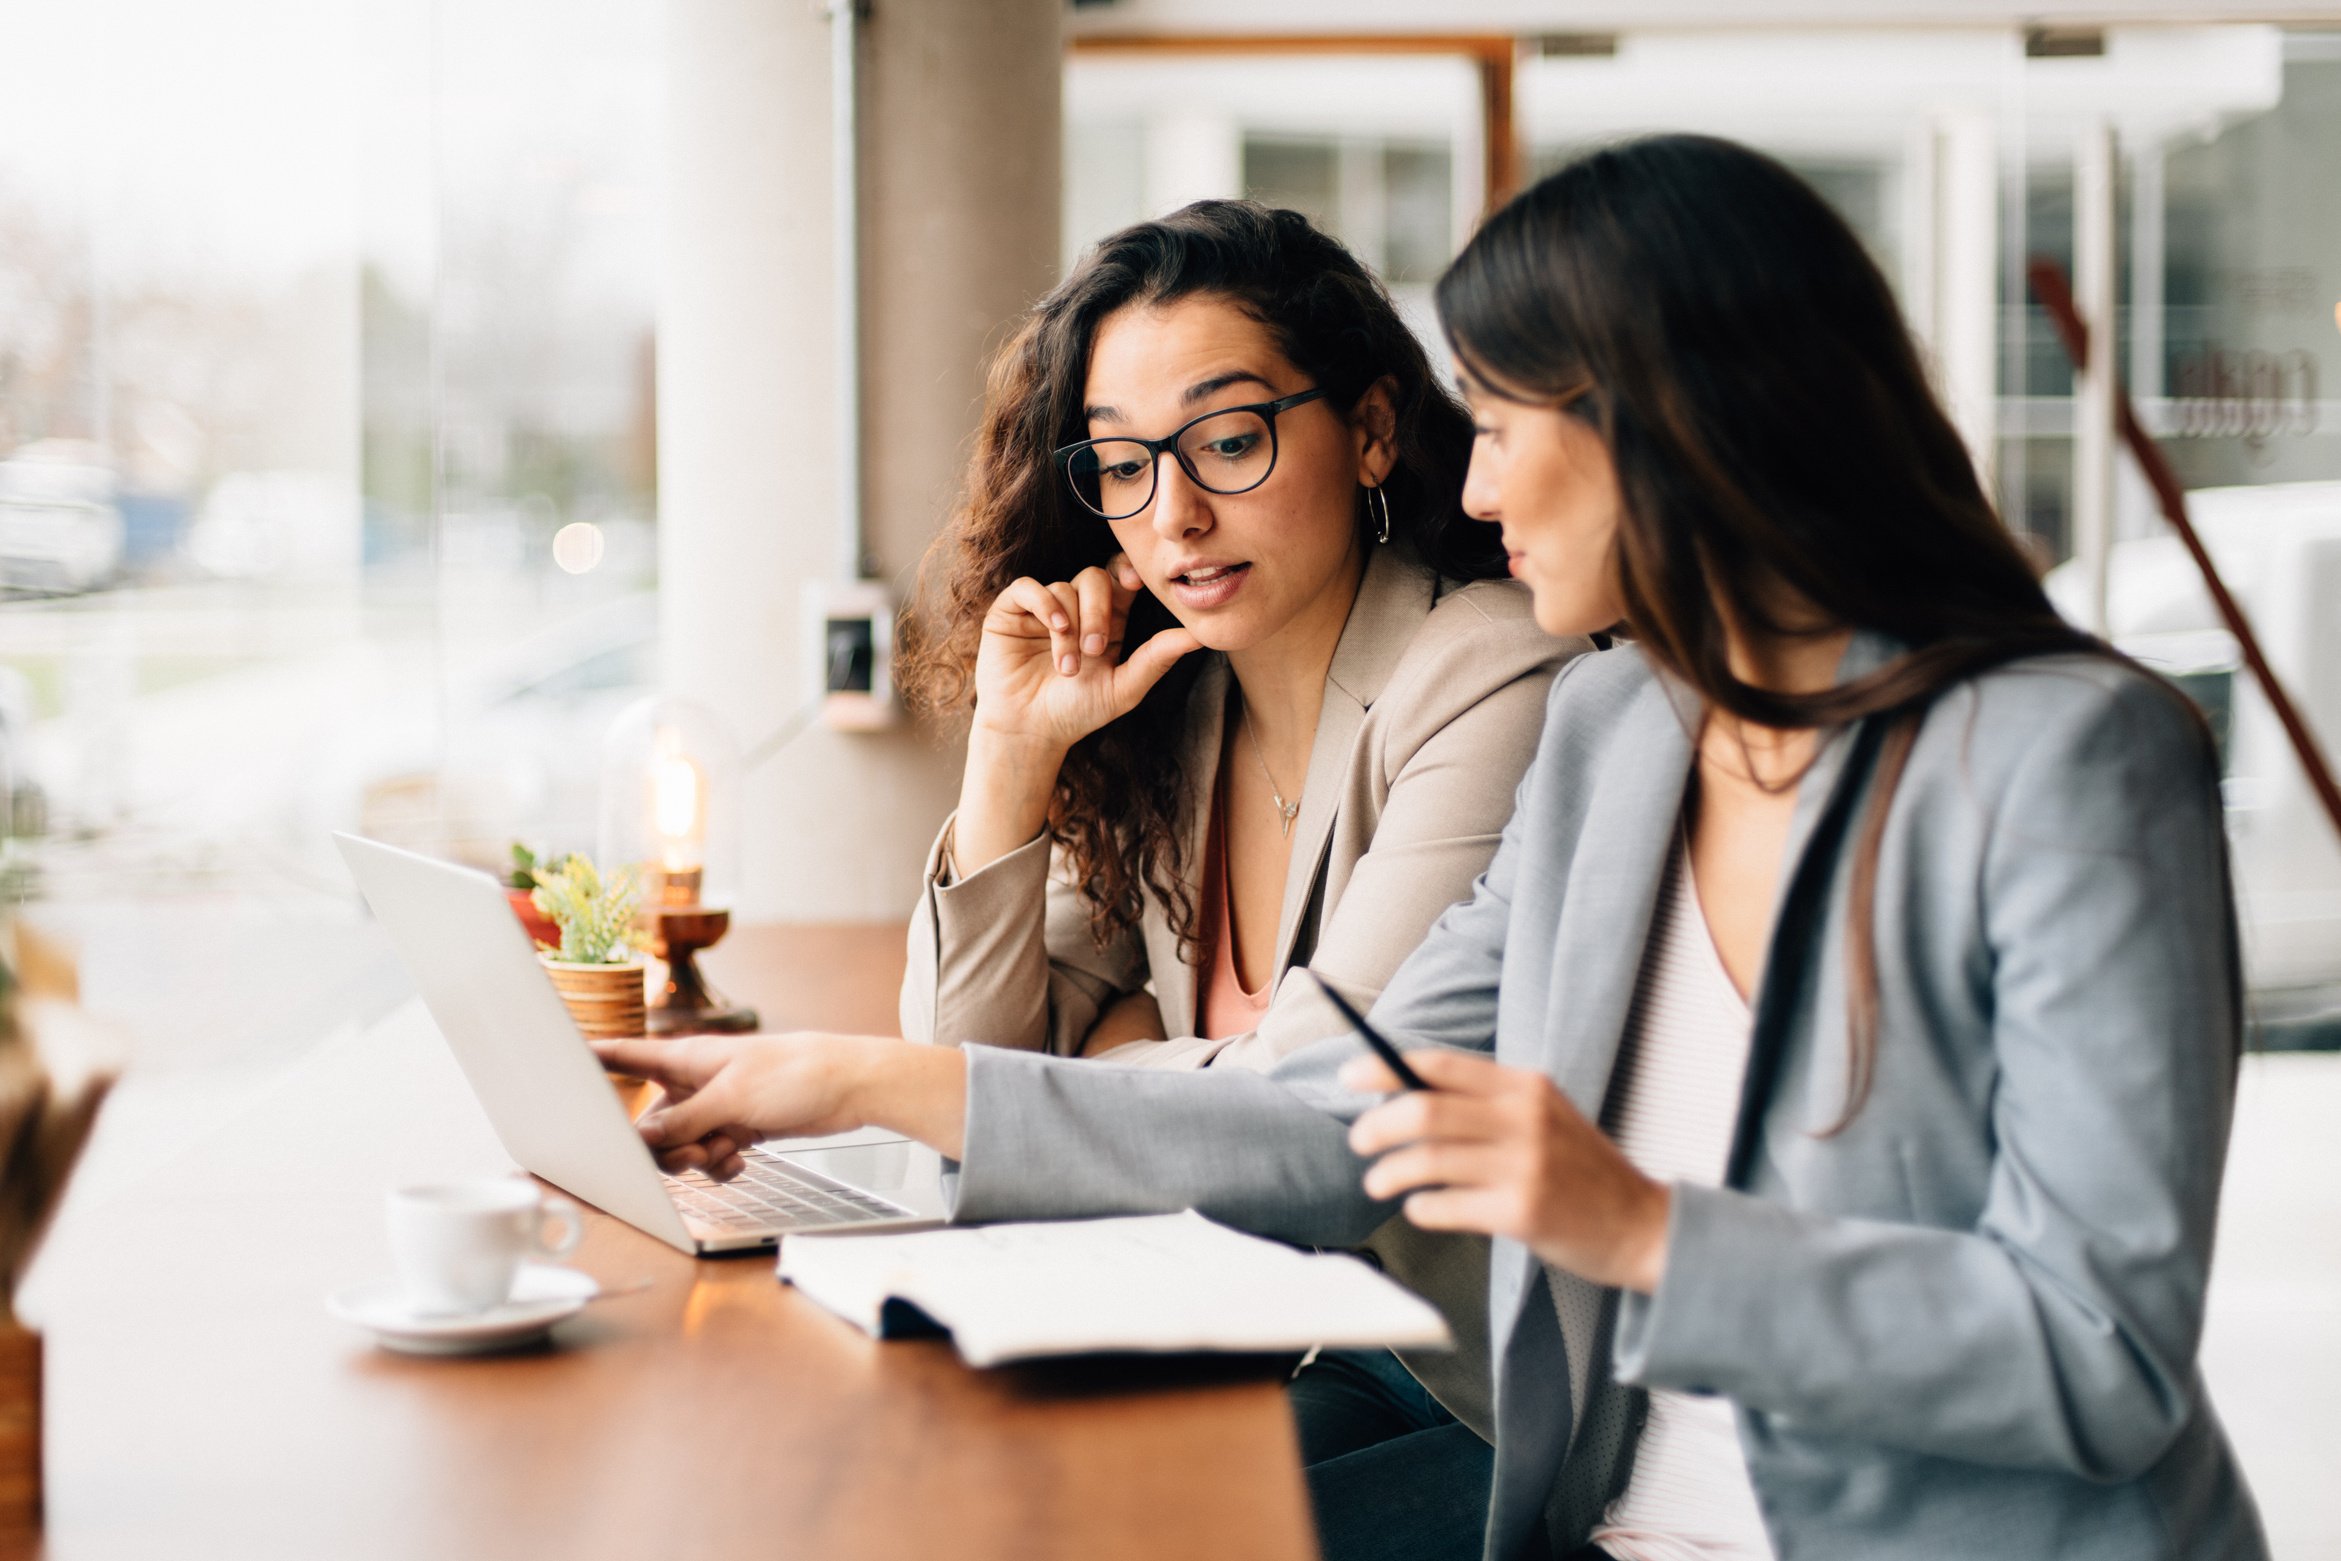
column 554, row 1108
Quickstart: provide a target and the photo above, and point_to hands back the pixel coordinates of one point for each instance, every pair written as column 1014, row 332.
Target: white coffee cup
column 458, row 1245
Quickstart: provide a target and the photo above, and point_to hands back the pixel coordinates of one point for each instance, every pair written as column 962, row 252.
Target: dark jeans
column 1392, row 1476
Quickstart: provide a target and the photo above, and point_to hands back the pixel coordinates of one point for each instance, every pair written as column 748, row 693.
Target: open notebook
column 1155, row 1283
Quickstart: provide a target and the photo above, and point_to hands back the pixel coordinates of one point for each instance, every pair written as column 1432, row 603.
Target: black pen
column 1407, row 1077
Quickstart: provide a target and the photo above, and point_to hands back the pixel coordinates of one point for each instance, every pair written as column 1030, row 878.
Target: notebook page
column 1154, row 1283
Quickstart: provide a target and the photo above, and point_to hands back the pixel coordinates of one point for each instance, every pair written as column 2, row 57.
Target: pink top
column 1223, row 1007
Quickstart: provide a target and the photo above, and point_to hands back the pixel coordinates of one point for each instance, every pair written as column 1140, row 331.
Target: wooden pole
column 1500, row 133
column 2056, row 296
column 20, row 1433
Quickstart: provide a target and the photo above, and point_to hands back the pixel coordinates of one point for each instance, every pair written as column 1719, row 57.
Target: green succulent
column 595, row 913
column 526, row 867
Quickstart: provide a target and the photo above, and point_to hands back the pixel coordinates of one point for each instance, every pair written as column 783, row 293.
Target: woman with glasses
column 1244, row 687
column 1248, row 690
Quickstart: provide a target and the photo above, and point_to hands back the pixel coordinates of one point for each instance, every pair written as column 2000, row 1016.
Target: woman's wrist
column 1645, row 1257
column 1003, row 796
column 917, row 1091
column 1014, row 764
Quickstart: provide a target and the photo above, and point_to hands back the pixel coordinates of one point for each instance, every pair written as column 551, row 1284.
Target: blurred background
column 392, row 391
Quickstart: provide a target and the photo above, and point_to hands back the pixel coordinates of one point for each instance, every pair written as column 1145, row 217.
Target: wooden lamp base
column 20, row 1431
column 683, row 1003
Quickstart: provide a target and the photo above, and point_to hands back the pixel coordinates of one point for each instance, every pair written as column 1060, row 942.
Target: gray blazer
column 1965, row 1324
column 1429, row 718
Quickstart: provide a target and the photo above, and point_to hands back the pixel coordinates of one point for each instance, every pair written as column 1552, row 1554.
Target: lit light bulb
column 678, row 812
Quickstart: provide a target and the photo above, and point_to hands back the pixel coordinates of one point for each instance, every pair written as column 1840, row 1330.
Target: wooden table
column 202, row 1404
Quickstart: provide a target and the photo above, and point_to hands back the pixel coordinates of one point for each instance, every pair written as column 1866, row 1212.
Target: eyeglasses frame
column 1169, row 444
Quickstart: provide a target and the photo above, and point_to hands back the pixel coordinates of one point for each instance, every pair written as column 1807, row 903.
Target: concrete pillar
column 960, row 144
column 1361, row 199
column 1917, row 192
column 2149, row 201
column 2135, row 512
column 1192, row 156
column 2093, row 388
column 1964, row 272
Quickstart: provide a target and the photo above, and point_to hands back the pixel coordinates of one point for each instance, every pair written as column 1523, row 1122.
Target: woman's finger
column 1463, row 1072
column 1425, row 1114
column 672, row 1123
column 1147, row 664
column 1100, row 625
column 1065, row 643
column 1487, row 1211
column 1438, row 1163
column 1027, row 608
column 1127, row 581
column 679, row 1067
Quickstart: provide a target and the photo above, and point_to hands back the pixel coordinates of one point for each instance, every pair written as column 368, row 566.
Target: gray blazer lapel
column 1535, row 1414
column 1393, row 598
column 1827, row 798
column 1630, row 825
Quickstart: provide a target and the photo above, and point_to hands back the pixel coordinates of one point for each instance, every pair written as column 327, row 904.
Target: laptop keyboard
column 774, row 1195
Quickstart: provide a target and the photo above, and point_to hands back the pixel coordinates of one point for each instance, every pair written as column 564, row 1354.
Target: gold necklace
column 1288, row 811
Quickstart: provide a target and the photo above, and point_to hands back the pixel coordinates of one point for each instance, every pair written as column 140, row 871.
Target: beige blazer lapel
column 1177, row 984
column 1392, row 601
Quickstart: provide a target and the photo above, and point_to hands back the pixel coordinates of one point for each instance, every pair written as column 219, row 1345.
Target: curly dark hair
column 1120, row 802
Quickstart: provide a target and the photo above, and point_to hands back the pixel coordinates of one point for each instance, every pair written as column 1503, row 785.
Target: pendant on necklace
column 1288, row 811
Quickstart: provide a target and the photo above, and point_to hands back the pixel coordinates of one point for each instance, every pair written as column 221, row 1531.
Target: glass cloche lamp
column 670, row 800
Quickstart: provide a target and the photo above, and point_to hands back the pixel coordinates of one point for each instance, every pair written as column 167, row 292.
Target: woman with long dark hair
column 1859, row 968
column 1865, row 1199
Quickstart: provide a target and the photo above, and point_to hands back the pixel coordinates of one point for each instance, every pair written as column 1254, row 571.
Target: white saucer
column 542, row 1295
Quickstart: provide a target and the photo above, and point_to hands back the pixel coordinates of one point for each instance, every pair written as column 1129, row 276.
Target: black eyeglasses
column 1231, row 450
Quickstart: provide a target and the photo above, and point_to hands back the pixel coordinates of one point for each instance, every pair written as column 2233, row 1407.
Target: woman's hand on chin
column 722, row 1093
column 1501, row 1151
column 1050, row 671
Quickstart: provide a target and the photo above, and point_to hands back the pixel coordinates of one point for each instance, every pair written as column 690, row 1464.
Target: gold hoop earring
column 1378, row 504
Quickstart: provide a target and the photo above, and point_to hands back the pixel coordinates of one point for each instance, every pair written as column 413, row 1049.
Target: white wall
column 960, row 147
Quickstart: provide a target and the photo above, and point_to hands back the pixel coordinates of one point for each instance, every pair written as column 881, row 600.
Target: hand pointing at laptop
column 723, row 1093
column 1483, row 1147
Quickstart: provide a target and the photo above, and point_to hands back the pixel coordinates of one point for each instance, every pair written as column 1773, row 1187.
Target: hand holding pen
column 1473, row 1145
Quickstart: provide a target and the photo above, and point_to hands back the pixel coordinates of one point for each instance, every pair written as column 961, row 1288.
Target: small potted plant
column 520, row 890
column 596, row 966
column 56, row 1064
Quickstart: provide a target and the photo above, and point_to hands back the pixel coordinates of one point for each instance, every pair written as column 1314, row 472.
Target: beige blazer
column 1432, row 709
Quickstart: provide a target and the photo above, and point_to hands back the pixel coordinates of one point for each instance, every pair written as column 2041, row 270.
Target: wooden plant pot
column 20, row 1431
column 607, row 1001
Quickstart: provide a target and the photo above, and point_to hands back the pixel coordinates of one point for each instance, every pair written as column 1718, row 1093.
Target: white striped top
column 1671, row 1108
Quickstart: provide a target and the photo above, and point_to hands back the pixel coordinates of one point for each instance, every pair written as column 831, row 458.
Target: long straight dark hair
column 1775, row 439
